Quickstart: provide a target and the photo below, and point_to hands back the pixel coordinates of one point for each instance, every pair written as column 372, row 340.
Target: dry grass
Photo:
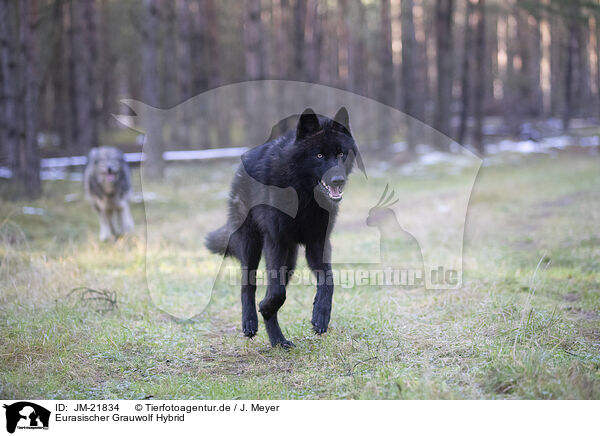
column 526, row 323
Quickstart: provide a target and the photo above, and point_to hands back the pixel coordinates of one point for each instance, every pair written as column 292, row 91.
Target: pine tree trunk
column 311, row 42
column 568, row 86
column 170, row 91
column 153, row 147
column 184, row 45
column 253, row 40
column 8, row 58
column 184, row 67
column 281, row 44
column 199, row 47
column 422, row 77
column 536, row 61
column 299, row 18
column 443, row 28
column 480, row 68
column 253, row 52
column 29, row 159
column 409, row 90
column 466, row 72
column 361, row 57
column 107, row 77
column 215, row 69
column 84, row 134
column 386, row 91
column 598, row 61
column 345, row 46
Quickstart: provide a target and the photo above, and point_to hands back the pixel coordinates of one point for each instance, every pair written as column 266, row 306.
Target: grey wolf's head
column 107, row 168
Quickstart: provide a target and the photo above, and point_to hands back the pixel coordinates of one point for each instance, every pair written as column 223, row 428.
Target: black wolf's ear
column 342, row 121
column 307, row 124
column 359, row 161
column 342, row 117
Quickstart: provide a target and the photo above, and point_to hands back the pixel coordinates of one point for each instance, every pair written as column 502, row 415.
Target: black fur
column 320, row 150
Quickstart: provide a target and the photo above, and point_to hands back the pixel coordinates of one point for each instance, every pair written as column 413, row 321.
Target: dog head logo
column 26, row 415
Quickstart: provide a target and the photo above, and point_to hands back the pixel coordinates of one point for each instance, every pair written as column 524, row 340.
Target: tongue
column 110, row 177
column 334, row 191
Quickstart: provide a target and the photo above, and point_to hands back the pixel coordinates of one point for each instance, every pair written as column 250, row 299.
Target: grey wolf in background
column 107, row 184
column 314, row 159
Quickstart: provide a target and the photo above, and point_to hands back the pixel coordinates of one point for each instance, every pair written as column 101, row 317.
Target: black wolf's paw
column 285, row 344
column 250, row 327
column 320, row 321
column 319, row 329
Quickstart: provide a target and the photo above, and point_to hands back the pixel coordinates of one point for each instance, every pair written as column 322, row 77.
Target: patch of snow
column 443, row 208
column 53, row 168
column 146, row 196
column 438, row 157
column 554, row 123
column 134, row 157
column 507, row 145
column 423, row 148
column 544, row 145
column 211, row 153
column 590, row 141
column 399, row 147
column 57, row 162
column 60, row 174
column 70, row 198
column 27, row 210
column 557, row 141
column 582, row 123
column 5, row 173
column 528, row 132
column 408, row 170
column 454, row 147
column 433, row 158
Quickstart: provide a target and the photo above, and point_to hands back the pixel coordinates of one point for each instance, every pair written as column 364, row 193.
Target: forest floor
column 525, row 324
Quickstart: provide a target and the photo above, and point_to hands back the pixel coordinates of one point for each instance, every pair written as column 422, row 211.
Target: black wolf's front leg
column 318, row 256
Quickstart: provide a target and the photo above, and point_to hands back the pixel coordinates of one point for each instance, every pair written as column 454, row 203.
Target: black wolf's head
column 325, row 151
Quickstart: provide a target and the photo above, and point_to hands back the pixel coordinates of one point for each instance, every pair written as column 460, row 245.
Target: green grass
column 525, row 324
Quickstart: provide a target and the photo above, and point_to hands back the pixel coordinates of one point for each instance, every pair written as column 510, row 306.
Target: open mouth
column 334, row 192
column 109, row 177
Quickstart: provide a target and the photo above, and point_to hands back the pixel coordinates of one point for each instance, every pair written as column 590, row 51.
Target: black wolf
column 314, row 159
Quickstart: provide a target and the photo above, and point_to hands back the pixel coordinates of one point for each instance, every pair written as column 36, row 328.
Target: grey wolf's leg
column 105, row 225
column 127, row 224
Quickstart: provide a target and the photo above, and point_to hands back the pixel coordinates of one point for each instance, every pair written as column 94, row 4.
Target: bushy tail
column 218, row 240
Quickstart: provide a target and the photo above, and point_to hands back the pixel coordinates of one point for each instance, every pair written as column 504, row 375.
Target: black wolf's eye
column 340, row 154
column 320, row 155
